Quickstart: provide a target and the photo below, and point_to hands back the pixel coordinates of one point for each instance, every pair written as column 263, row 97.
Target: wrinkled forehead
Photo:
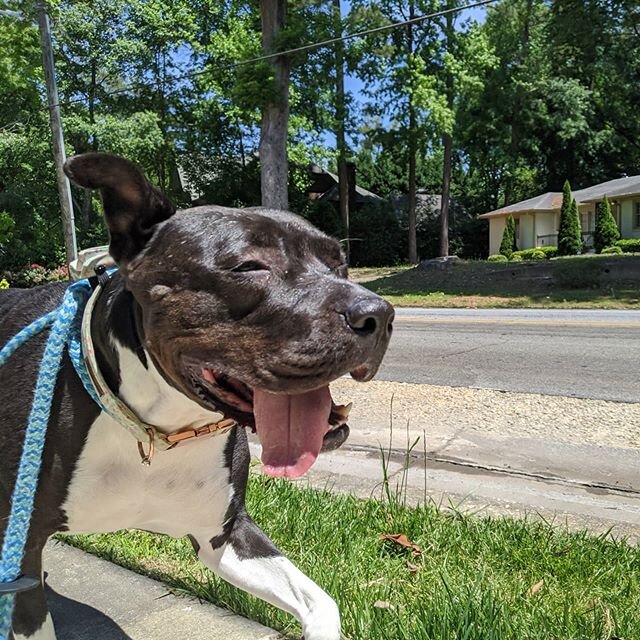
column 218, row 235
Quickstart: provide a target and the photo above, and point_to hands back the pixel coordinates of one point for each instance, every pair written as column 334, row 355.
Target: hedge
column 629, row 245
column 532, row 254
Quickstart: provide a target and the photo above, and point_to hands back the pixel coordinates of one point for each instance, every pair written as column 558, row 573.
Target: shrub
column 516, row 258
column 611, row 251
column 36, row 274
column 606, row 232
column 497, row 257
column 569, row 236
column 534, row 253
column 4, row 284
column 376, row 236
column 550, row 251
column 629, row 245
column 508, row 244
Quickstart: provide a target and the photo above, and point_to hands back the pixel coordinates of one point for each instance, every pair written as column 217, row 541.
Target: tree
column 275, row 112
column 404, row 97
column 569, row 235
column 508, row 244
column 606, row 232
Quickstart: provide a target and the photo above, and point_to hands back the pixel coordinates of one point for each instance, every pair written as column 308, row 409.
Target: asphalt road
column 582, row 353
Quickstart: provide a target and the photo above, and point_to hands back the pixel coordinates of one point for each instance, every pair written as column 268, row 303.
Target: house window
column 517, row 231
column 636, row 215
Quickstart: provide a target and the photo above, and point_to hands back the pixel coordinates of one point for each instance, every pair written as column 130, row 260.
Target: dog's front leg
column 31, row 617
column 249, row 560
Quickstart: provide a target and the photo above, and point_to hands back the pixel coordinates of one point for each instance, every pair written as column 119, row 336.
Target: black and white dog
column 214, row 312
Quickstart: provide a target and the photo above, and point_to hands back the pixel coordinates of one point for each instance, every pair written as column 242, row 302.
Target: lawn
column 467, row 578
column 584, row 282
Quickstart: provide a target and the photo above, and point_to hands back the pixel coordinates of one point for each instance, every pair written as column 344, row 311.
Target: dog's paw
column 323, row 622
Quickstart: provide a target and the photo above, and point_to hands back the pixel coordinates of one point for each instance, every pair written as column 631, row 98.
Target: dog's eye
column 250, row 265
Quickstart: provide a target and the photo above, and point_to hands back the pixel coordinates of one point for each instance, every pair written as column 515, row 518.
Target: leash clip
column 23, row 583
column 146, row 458
column 101, row 277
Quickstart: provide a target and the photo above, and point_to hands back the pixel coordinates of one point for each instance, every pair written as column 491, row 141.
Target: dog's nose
column 371, row 315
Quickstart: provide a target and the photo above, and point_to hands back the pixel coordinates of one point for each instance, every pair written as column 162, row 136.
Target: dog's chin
column 292, row 427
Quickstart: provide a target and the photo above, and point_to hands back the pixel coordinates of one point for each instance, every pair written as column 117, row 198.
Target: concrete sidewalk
column 582, row 486
column 92, row 599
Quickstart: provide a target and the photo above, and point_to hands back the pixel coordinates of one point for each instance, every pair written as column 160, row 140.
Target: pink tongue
column 291, row 429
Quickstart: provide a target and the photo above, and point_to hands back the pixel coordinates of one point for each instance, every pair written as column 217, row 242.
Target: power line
column 289, row 52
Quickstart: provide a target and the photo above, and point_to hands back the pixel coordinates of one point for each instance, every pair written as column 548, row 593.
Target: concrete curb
column 92, row 599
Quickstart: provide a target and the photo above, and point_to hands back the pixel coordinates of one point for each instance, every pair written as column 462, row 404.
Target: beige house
column 537, row 219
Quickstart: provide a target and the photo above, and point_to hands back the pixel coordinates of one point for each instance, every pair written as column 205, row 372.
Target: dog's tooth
column 343, row 410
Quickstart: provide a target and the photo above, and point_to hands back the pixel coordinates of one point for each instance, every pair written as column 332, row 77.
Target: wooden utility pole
column 64, row 188
column 340, row 117
column 275, row 114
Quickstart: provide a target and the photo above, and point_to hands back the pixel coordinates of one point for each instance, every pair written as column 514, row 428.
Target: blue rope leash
column 65, row 329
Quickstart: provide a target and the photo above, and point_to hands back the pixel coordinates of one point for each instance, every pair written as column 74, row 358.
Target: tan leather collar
column 146, row 434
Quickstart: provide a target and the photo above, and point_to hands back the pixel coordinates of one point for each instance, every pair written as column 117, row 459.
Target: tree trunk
column 340, row 117
column 413, row 151
column 447, row 140
column 275, row 114
column 446, row 196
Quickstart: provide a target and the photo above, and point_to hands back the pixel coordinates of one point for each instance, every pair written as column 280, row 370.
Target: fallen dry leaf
column 373, row 582
column 401, row 540
column 413, row 568
column 535, row 588
column 383, row 604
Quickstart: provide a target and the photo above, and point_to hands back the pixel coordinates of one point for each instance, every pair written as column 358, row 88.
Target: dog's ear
column 132, row 205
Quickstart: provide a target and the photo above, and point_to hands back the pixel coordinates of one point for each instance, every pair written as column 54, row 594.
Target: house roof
column 619, row 188
column 549, row 201
column 552, row 200
column 326, row 184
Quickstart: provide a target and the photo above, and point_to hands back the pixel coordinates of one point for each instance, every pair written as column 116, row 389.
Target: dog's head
column 246, row 311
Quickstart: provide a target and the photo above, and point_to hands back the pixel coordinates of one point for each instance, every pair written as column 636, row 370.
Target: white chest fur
column 185, row 490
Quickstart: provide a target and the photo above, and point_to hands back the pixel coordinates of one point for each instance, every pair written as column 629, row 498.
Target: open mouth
column 292, row 428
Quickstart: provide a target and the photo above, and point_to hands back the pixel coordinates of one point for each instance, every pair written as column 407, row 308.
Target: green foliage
column 508, row 244
column 611, row 251
column 629, row 245
column 515, row 258
column 606, row 231
column 3, row 283
column 7, row 225
column 569, row 236
column 535, row 252
column 526, row 97
column 325, row 216
column 376, row 237
column 498, row 257
column 549, row 251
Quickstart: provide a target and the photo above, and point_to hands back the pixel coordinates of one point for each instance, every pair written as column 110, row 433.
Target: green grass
column 471, row 581
column 570, row 299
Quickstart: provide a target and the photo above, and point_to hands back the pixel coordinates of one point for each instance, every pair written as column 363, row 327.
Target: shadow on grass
column 573, row 282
